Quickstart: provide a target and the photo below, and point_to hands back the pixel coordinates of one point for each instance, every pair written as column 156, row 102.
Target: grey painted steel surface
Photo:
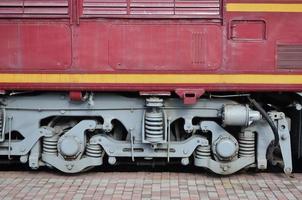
column 75, row 136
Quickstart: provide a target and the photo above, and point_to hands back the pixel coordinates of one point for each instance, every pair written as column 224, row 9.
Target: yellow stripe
column 263, row 7
column 152, row 78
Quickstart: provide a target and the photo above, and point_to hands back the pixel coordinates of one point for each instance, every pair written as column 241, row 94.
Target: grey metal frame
column 23, row 114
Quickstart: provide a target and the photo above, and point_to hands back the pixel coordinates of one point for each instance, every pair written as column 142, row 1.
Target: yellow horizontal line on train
column 151, row 78
column 263, row 7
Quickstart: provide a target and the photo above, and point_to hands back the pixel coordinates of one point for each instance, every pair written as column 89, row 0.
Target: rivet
column 185, row 151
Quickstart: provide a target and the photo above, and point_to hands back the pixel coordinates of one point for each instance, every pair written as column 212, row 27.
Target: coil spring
column 203, row 152
column 94, row 150
column 154, row 126
column 50, row 144
column 247, row 144
column 154, row 102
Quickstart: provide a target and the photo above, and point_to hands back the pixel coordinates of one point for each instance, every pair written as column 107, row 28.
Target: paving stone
column 148, row 185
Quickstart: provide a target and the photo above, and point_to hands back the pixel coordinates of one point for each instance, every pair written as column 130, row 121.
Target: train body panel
column 216, row 37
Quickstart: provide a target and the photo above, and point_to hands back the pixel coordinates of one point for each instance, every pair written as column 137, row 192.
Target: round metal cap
column 226, row 148
column 69, row 146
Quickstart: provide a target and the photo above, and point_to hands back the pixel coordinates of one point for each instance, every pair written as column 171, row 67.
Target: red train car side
column 236, row 65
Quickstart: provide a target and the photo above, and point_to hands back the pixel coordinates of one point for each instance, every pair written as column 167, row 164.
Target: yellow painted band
column 152, row 78
column 263, row 7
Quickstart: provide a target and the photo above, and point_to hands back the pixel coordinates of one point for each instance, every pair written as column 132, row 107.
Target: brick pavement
column 147, row 185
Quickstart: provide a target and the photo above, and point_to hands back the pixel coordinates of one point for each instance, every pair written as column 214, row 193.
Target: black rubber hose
column 268, row 119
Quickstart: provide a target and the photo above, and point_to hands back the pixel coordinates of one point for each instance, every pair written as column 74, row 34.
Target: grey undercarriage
column 221, row 135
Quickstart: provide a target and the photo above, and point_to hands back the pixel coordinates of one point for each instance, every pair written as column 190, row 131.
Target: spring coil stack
column 203, row 152
column 94, row 150
column 50, row 145
column 247, row 144
column 154, row 120
column 154, row 126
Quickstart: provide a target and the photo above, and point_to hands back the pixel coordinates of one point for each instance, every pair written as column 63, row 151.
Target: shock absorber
column 247, row 144
column 154, row 121
column 50, row 144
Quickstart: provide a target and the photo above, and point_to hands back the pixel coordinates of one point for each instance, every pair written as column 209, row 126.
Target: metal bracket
column 155, row 93
column 224, row 168
column 24, row 146
column 132, row 138
column 216, row 130
column 265, row 137
column 116, row 148
column 285, row 144
column 189, row 96
column 10, row 125
column 77, row 96
column 2, row 137
column 169, row 139
column 34, row 156
column 73, row 166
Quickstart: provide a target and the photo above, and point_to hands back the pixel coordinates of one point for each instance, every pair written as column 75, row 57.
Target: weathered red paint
column 53, row 41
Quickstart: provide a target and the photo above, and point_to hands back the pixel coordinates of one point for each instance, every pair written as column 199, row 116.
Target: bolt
column 111, row 160
column 100, row 140
column 204, row 143
column 298, row 106
column 111, row 151
column 225, row 168
column 69, row 166
column 282, row 127
column 24, row 159
column 283, row 137
column 185, row 161
column 288, row 170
